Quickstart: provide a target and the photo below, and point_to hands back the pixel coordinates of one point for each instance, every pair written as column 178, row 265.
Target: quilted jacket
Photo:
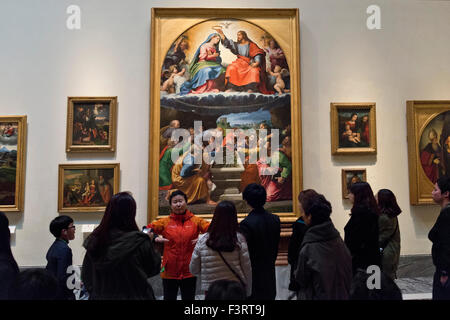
column 207, row 264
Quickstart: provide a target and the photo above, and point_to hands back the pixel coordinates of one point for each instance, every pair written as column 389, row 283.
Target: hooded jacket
column 122, row 270
column 324, row 269
column 180, row 230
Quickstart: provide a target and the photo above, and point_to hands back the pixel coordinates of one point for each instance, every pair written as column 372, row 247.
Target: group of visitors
column 233, row 260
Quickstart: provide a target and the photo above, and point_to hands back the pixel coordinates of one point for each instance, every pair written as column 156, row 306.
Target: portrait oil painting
column 353, row 128
column 428, row 147
column 12, row 162
column 225, row 109
column 87, row 188
column 351, row 176
column 91, row 124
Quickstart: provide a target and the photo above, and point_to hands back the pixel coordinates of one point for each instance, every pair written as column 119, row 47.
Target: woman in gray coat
column 389, row 236
column 324, row 269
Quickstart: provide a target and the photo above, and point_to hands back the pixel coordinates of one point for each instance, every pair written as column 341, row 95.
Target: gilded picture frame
column 428, row 125
column 91, row 124
column 350, row 176
column 87, row 187
column 168, row 28
column 13, row 131
column 353, row 128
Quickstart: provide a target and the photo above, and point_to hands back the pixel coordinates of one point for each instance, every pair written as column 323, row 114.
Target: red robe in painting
column 240, row 73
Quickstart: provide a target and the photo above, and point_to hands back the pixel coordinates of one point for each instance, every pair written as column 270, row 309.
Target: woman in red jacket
column 179, row 233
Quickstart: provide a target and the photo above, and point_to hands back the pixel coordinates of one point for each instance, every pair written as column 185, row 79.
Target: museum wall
column 42, row 63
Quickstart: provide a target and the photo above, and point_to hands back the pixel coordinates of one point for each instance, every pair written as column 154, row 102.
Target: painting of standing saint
column 12, row 152
column 225, row 95
column 87, row 187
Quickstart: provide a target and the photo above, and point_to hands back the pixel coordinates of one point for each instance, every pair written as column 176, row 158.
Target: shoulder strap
column 232, row 270
column 392, row 235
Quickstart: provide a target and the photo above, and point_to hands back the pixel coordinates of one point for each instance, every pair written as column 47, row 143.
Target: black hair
column 5, row 242
column 360, row 291
column 255, row 195
column 388, row 203
column 319, row 209
column 364, row 197
column 223, row 228
column 225, row 290
column 34, row 284
column 177, row 193
column 120, row 214
column 444, row 184
column 59, row 224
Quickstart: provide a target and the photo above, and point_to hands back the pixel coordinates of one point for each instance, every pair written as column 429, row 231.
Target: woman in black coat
column 119, row 258
column 361, row 231
column 8, row 266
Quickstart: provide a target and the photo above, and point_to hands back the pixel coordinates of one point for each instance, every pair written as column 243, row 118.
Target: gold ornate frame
column 168, row 23
column 111, row 146
column 335, row 134
column 20, row 163
column 62, row 167
column 344, row 179
column 419, row 114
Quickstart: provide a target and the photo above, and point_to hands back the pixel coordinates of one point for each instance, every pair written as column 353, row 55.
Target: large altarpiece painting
column 225, row 108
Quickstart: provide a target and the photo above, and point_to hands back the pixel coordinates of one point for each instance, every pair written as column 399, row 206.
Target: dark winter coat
column 440, row 236
column 324, row 270
column 122, row 271
column 298, row 232
column 389, row 240
column 59, row 258
column 8, row 273
column 361, row 238
column 262, row 232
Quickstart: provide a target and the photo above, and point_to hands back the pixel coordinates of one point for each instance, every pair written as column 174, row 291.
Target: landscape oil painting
column 12, row 162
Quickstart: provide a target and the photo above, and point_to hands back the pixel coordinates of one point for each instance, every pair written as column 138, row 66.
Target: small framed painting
column 87, row 187
column 351, row 176
column 91, row 124
column 353, row 128
column 12, row 162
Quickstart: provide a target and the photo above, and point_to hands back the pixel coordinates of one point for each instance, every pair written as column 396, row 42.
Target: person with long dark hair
column 179, row 233
column 119, row 258
column 361, row 231
column 324, row 268
column 389, row 238
column 8, row 265
column 222, row 253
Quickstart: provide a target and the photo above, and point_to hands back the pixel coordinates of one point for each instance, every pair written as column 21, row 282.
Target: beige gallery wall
column 42, row 62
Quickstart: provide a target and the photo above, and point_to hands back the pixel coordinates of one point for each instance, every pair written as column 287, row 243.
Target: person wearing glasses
column 59, row 255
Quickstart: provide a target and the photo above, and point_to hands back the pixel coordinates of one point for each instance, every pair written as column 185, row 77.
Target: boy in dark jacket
column 440, row 236
column 59, row 255
column 324, row 270
column 262, row 232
